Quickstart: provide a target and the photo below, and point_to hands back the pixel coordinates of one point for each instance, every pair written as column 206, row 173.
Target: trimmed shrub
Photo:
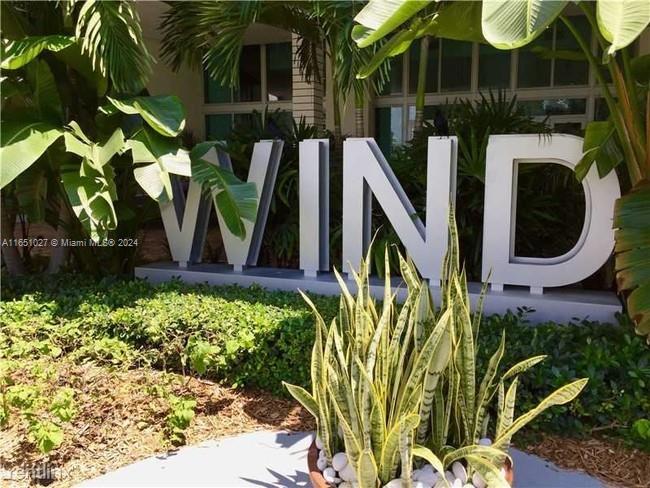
column 254, row 337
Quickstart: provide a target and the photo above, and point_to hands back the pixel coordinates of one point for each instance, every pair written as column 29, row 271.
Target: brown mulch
column 120, row 419
column 607, row 459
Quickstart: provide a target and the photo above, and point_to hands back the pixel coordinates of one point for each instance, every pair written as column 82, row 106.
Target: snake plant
column 391, row 384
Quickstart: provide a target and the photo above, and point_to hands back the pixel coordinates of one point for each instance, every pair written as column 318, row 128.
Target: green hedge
column 260, row 338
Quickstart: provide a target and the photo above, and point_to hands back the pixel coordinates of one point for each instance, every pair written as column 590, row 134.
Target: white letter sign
column 366, row 172
column 596, row 241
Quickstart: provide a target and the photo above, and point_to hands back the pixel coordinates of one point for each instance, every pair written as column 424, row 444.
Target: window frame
column 590, row 91
column 237, row 108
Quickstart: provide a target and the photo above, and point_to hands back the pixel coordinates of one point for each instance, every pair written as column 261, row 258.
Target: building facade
column 564, row 91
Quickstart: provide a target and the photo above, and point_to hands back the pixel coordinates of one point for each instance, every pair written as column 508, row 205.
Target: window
column 559, row 106
column 278, row 77
column 456, row 65
column 550, row 78
column 250, row 76
column 432, row 66
column 217, row 126
column 534, row 70
column 394, row 84
column 493, row 68
column 215, row 92
column 278, row 71
column 571, row 71
column 265, row 78
column 388, row 127
column 555, row 54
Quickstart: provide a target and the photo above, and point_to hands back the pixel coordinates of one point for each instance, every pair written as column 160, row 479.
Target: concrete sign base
column 557, row 304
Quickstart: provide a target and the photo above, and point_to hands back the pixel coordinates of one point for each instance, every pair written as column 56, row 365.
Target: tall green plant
column 401, row 383
column 77, row 127
column 624, row 138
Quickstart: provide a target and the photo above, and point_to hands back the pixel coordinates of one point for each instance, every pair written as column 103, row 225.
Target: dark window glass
column 571, row 72
column 532, row 69
column 250, row 76
column 493, row 67
column 242, row 120
column 394, row 83
column 279, row 71
column 601, row 110
column 456, row 67
column 388, row 127
column 217, row 126
column 559, row 106
column 431, row 84
column 215, row 92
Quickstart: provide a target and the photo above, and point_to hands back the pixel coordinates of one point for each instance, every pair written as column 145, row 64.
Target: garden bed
column 136, row 357
column 121, row 418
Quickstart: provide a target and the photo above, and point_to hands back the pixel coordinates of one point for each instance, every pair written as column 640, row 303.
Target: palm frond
column 110, row 33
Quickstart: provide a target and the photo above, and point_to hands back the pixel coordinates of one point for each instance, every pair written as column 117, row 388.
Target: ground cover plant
column 256, row 338
column 135, row 357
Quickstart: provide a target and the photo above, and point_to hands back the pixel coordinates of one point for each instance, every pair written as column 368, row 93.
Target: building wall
column 310, row 100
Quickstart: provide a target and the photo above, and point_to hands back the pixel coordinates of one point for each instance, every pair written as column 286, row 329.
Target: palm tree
column 210, row 35
column 58, row 59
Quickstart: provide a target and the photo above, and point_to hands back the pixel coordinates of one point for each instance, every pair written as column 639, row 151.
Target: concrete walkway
column 279, row 459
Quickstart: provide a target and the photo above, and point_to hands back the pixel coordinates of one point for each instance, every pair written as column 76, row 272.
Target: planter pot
column 315, row 475
column 317, row 480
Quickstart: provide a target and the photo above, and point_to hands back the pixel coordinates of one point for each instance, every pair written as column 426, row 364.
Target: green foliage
column 43, row 412
column 280, row 241
column 641, row 431
column 179, row 418
column 259, row 338
column 510, row 24
column 388, row 380
column 88, row 183
column 201, row 354
column 237, row 201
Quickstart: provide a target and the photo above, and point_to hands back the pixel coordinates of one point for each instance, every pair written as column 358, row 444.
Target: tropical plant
column 78, row 130
column 280, row 241
column 390, row 384
column 210, row 35
column 623, row 137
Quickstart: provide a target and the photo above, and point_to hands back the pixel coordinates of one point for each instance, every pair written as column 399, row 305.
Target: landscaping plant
column 623, row 138
column 81, row 137
column 391, row 384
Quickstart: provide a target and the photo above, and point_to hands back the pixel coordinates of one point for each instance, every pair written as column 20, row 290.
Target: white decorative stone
column 419, row 484
column 348, row 473
column 450, row 476
column 457, row 484
column 478, row 481
column 339, row 461
column 485, row 442
column 396, row 483
column 330, row 475
column 321, row 463
column 468, row 485
column 459, row 472
column 319, row 443
column 429, row 478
